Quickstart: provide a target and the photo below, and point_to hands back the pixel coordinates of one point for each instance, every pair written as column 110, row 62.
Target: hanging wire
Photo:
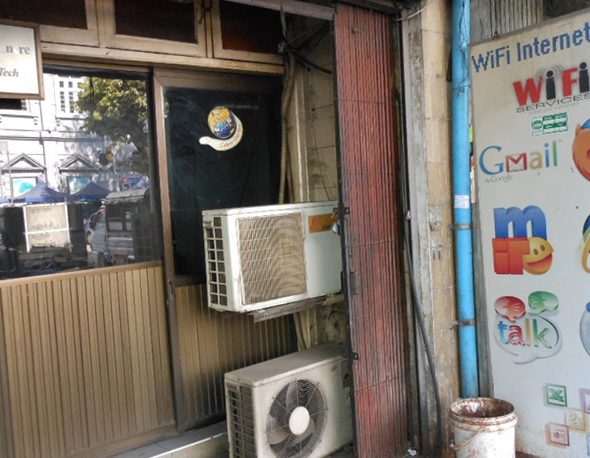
column 414, row 14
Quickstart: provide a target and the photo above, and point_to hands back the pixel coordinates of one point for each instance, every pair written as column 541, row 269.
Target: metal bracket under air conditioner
column 294, row 307
column 285, row 309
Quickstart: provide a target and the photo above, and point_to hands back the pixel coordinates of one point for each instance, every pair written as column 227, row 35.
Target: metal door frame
column 163, row 78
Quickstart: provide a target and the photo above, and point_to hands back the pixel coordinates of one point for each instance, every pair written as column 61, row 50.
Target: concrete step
column 208, row 442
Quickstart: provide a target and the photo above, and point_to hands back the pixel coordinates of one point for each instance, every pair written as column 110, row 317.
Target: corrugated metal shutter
column 490, row 18
column 367, row 130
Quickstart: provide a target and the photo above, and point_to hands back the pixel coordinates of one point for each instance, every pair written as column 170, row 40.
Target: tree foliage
column 117, row 109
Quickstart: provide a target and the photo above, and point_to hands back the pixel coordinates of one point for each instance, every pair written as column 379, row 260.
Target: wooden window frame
column 221, row 53
column 111, row 39
column 70, row 35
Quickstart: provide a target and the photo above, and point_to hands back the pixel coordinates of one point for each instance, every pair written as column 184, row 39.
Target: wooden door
column 195, row 177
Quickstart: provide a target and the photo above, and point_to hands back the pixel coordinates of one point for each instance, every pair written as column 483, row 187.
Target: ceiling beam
column 293, row 7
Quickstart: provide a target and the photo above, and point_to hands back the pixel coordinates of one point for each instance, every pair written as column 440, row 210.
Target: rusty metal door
column 372, row 229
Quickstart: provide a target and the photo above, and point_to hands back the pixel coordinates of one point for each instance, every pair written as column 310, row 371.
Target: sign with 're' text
column 20, row 61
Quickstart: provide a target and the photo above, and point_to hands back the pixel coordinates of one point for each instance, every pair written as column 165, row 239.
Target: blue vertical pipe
column 462, row 199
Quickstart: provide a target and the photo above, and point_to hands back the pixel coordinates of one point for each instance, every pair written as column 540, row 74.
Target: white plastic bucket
column 483, row 428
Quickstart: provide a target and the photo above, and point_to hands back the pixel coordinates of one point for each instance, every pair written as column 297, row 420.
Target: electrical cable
column 422, row 327
column 308, row 63
column 414, row 14
column 415, row 302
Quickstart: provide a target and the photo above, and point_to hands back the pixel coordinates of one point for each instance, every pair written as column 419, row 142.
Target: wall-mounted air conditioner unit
column 293, row 406
column 261, row 257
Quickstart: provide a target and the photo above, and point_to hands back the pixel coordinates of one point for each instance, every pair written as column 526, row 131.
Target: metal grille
column 216, row 263
column 281, row 440
column 240, row 421
column 272, row 257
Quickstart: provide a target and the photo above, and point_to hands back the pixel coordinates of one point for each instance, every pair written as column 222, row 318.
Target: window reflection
column 75, row 177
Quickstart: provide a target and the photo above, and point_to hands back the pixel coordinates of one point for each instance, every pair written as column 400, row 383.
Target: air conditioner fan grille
column 272, row 257
column 282, row 435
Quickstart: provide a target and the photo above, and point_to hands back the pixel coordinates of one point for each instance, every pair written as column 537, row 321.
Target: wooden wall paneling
column 129, row 415
column 6, row 431
column 110, row 354
column 157, row 319
column 25, row 366
column 92, row 373
column 10, row 373
column 67, row 379
column 39, row 386
column 51, row 368
column 213, row 343
column 84, row 363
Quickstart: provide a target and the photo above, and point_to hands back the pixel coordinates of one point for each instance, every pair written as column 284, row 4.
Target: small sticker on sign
column 462, row 201
column 549, row 124
column 321, row 223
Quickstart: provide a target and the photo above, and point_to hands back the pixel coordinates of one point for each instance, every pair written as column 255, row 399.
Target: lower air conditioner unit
column 293, row 406
column 260, row 257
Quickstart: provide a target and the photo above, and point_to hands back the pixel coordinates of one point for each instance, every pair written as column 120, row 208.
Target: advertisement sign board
column 20, row 61
column 531, row 114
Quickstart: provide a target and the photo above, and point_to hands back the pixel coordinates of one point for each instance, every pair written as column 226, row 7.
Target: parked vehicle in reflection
column 41, row 238
column 122, row 230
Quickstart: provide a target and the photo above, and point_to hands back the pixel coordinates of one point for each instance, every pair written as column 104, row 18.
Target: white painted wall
column 45, row 133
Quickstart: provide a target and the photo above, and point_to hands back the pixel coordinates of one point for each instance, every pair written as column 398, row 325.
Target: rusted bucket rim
column 482, row 412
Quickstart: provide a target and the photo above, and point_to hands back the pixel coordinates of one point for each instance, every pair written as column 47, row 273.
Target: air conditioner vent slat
column 272, row 257
column 241, row 420
column 215, row 259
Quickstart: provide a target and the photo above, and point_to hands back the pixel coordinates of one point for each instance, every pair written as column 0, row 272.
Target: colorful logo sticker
column 586, row 249
column 549, row 124
column 527, row 335
column 555, row 395
column 581, row 149
column 585, row 328
column 553, row 84
column 513, row 255
column 494, row 161
column 226, row 127
column 557, row 435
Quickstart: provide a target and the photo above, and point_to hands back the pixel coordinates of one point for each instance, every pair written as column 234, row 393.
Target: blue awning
column 91, row 191
column 41, row 193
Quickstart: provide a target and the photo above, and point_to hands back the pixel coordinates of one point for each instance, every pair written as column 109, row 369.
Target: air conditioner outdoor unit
column 290, row 407
column 260, row 257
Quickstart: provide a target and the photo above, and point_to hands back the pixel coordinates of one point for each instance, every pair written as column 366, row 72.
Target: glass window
column 68, row 94
column 554, row 8
column 62, row 13
column 247, row 28
column 203, row 178
column 164, row 19
column 90, row 203
column 13, row 104
column 22, row 184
